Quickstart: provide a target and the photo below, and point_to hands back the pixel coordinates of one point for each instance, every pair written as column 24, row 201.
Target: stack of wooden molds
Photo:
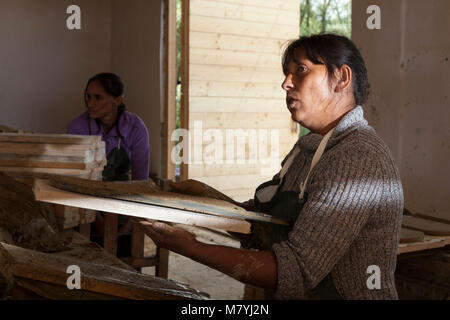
column 25, row 156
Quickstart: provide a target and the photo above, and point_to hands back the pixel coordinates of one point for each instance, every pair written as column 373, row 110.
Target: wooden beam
column 170, row 76
column 185, row 82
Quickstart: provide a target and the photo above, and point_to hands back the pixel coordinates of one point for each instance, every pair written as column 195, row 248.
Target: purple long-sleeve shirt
column 135, row 140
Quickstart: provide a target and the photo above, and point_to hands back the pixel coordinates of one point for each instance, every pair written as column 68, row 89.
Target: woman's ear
column 344, row 77
column 118, row 101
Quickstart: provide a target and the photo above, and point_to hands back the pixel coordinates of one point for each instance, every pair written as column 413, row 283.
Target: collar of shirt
column 124, row 127
column 351, row 121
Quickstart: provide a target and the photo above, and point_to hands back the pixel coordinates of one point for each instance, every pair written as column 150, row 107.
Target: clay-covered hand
column 166, row 236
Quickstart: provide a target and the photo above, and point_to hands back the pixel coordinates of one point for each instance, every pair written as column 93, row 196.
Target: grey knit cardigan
column 350, row 224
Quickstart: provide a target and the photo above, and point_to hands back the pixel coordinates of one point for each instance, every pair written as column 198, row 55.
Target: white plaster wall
column 44, row 66
column 409, row 71
column 135, row 56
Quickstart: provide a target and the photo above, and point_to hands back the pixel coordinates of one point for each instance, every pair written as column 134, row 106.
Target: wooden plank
column 213, row 120
column 42, row 173
column 56, row 163
column 51, row 268
column 38, row 158
column 427, row 226
column 204, row 72
column 46, row 193
column 235, row 104
column 154, row 196
column 248, row 28
column 236, row 89
column 443, row 217
column 242, row 43
column 288, row 5
column 200, row 170
column 245, row 12
column 235, row 58
column 49, row 148
column 427, row 244
column 50, row 138
column 408, row 235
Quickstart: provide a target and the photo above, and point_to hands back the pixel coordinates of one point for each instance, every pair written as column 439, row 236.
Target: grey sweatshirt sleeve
column 342, row 191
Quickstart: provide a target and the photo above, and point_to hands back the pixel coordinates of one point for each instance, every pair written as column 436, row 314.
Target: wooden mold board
column 18, row 263
column 154, row 196
column 46, row 193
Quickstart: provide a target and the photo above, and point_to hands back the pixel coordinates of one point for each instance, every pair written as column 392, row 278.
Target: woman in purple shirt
column 126, row 140
column 121, row 130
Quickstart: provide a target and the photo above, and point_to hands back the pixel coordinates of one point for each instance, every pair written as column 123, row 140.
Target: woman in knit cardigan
column 345, row 211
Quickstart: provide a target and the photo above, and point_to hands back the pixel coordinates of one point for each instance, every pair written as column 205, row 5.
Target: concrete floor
column 200, row 277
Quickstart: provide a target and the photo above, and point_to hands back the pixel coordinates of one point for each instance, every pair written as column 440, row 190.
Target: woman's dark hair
column 333, row 51
column 112, row 85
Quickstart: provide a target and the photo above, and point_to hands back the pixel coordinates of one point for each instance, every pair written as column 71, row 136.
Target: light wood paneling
column 245, row 12
column 235, row 76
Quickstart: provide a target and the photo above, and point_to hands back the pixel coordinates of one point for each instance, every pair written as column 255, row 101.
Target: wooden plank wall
column 235, row 78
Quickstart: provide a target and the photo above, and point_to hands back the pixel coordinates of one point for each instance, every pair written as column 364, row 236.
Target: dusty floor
column 218, row 285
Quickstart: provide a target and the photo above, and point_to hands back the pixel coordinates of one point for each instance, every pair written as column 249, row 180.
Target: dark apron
column 118, row 165
column 117, row 169
column 286, row 205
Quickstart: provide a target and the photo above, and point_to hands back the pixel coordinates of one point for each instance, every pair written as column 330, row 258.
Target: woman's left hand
column 166, row 236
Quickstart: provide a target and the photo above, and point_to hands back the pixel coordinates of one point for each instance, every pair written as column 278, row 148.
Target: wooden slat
column 50, row 149
column 427, row 244
column 236, row 27
column 50, row 138
column 243, row 11
column 213, row 40
column 204, row 56
column 236, row 89
column 241, row 120
column 234, row 105
column 46, row 193
column 56, row 163
column 204, row 72
column 289, row 5
column 200, row 170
